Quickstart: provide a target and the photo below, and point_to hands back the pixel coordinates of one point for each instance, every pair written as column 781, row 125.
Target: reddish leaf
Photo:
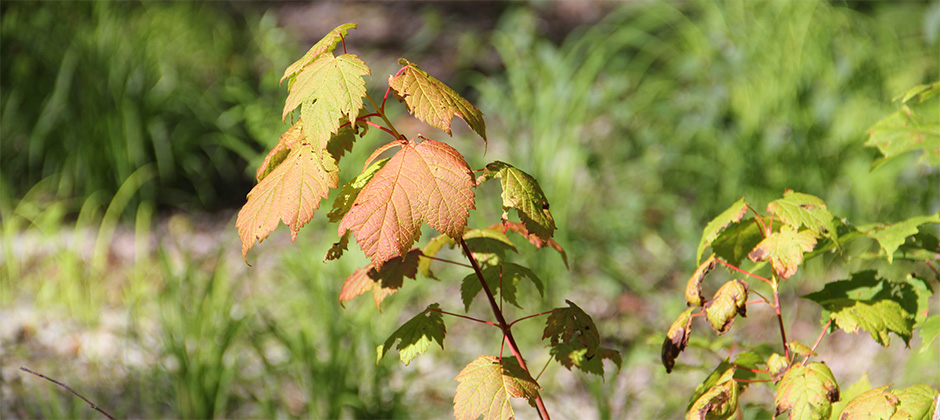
column 533, row 238
column 424, row 182
column 432, row 101
column 290, row 193
column 285, row 144
column 381, row 281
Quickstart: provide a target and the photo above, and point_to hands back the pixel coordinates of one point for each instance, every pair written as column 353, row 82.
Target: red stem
column 529, row 316
column 747, row 273
column 464, row 317
column 756, row 301
column 819, row 339
column 749, row 369
column 343, row 40
column 783, row 331
column 387, row 91
column 380, row 128
column 759, row 221
column 540, row 405
column 446, row 261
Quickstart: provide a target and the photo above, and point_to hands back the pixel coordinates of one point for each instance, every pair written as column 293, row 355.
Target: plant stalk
column 783, row 331
column 540, row 405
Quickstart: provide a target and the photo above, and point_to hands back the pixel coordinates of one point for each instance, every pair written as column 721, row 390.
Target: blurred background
column 130, row 133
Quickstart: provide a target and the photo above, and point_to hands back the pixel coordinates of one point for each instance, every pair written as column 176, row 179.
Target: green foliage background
column 640, row 128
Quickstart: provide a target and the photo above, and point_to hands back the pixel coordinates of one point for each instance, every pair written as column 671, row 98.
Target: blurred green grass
column 640, row 128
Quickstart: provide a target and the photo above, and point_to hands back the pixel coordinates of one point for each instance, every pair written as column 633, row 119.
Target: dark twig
column 69, row 389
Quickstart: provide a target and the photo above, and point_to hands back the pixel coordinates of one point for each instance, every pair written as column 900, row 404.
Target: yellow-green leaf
column 714, row 227
column 415, row 336
column 729, row 301
column 677, row 338
column 719, row 401
column 486, row 385
column 891, row 236
column 807, row 392
column 803, row 210
column 522, row 192
column 693, row 288
column 327, row 44
column 784, row 250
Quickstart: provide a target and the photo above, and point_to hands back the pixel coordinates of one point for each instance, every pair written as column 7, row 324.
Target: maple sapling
column 384, row 207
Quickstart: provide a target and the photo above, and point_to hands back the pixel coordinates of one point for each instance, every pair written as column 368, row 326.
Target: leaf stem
column 391, row 126
column 379, row 127
column 446, row 261
column 389, row 90
column 761, row 300
column 529, row 316
column 540, row 405
column 464, row 317
column 543, row 369
column 783, row 331
column 745, row 272
column 763, row 227
column 67, row 388
column 819, row 339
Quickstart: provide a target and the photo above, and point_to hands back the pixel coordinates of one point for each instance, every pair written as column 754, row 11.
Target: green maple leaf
column 327, row 44
column 869, row 303
column 336, row 251
column 432, row 101
column 677, row 338
column 574, row 327
column 801, row 349
column 522, row 192
column 729, row 301
column 872, row 404
column 488, row 246
column 415, row 336
column 533, row 238
column 349, row 192
column 849, row 394
column 718, row 401
column 916, row 402
column 571, row 357
column 892, row 236
column 486, row 385
column 502, row 279
column 784, row 250
column 929, row 329
column 430, row 250
column 734, row 243
column 732, row 215
column 807, row 392
column 798, row 210
column 915, row 126
column 424, row 182
column 330, row 89
column 289, row 193
column 382, row 281
column 693, row 288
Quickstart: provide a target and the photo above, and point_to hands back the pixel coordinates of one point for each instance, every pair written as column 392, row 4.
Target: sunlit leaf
column 800, row 349
column 729, row 301
column 849, row 394
column 330, row 91
column 522, row 192
column 502, row 279
column 381, row 281
column 916, row 402
column 571, row 357
column 430, row 250
column 693, row 288
column 720, row 401
column 777, row 366
column 424, row 182
column 677, row 338
column 415, row 336
column 914, row 127
column 432, row 101
column 784, row 250
column 716, row 225
column 872, row 404
column 327, row 44
column 892, row 236
column 807, row 392
column 290, row 193
column 349, row 192
column 289, row 140
column 803, row 210
column 486, row 385
column 532, row 238
column 929, row 330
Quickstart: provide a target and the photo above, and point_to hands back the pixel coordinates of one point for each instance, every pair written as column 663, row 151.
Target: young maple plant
column 888, row 293
column 385, row 206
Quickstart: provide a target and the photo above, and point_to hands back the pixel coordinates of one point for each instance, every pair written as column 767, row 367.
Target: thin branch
column 529, row 316
column 543, row 369
column 380, row 127
column 761, row 296
column 391, row 127
column 67, row 388
column 446, row 261
column 761, row 300
column 465, row 317
column 513, row 347
column 745, row 272
column 819, row 339
column 783, row 331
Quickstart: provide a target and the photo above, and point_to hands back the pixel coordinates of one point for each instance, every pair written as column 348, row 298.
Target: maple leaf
column 349, row 192
column 719, row 400
column 415, row 336
column 892, row 236
column 381, row 281
column 677, row 338
column 327, row 44
column 777, row 366
column 913, row 127
column 571, row 357
column 871, row 304
column 522, row 192
column 502, row 279
column 784, row 250
column 488, row 246
column 807, row 392
column 572, row 326
column 290, row 193
column 430, row 250
column 693, row 288
column 729, row 301
column 276, row 156
column 424, row 182
column 915, row 402
column 716, row 225
column 798, row 210
column 330, row 89
column 734, row 243
column 432, row 101
column 873, row 404
column 533, row 239
column 486, row 385
column 336, row 251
